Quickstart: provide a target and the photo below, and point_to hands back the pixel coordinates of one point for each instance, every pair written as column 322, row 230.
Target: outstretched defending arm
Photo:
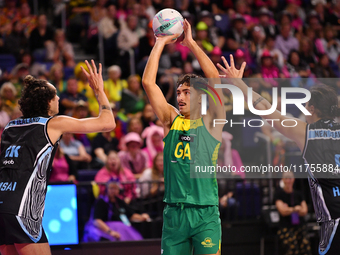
column 296, row 133
column 165, row 112
column 104, row 122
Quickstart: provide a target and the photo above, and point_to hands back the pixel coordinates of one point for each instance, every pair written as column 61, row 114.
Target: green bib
column 189, row 146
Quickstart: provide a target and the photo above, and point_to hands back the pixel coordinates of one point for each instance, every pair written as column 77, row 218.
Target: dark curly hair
column 325, row 101
column 199, row 81
column 35, row 97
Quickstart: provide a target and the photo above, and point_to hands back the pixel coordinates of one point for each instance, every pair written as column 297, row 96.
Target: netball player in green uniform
column 191, row 216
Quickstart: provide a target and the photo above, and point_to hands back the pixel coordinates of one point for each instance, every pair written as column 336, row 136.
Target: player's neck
column 192, row 116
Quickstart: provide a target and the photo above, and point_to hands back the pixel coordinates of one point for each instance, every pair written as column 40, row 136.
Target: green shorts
column 191, row 228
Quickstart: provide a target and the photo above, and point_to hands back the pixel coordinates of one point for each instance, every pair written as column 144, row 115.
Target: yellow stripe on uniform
column 183, row 124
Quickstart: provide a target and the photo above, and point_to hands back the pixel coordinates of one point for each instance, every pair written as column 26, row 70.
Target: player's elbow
column 109, row 125
column 147, row 82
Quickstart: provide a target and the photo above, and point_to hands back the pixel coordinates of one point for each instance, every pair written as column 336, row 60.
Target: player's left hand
column 231, row 71
column 187, row 34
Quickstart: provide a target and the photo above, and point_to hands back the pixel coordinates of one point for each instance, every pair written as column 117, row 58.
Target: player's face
column 183, row 99
column 54, row 103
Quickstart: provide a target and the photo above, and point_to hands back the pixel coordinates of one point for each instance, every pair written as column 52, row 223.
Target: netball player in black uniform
column 319, row 141
column 28, row 145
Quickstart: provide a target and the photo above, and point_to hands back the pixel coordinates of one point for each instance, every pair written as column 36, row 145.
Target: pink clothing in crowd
column 151, row 149
column 125, row 175
column 137, row 164
column 60, row 170
column 231, row 156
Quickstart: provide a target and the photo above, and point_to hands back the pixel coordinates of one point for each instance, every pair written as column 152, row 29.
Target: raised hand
column 187, row 34
column 95, row 78
column 167, row 39
column 231, row 71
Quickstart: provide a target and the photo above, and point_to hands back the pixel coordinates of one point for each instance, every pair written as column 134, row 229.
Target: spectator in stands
column 144, row 48
column 196, row 7
column 17, row 75
column 298, row 14
column 27, row 20
column 109, row 24
column 4, row 116
column 114, row 170
column 286, row 42
column 8, row 95
column 265, row 22
column 149, row 8
column 135, row 125
column 63, row 169
column 39, row 36
column 101, row 145
column 229, row 157
column 134, row 158
column 334, row 15
column 323, row 68
column 111, row 217
column 8, row 14
column 154, row 173
column 56, row 77
column 133, row 97
column 320, row 10
column 60, row 50
column 238, row 35
column 255, row 43
column 138, row 10
column 331, row 44
column 215, row 55
column 122, row 9
column 114, row 85
column 306, row 52
column 313, row 21
column 276, row 53
column 16, row 42
column 75, row 150
column 170, row 62
column 202, row 37
column 296, row 67
column 269, row 71
column 292, row 208
column 149, row 117
column 35, row 68
column 129, row 34
column 214, row 33
column 82, row 111
column 70, row 97
column 97, row 12
column 316, row 41
column 154, row 142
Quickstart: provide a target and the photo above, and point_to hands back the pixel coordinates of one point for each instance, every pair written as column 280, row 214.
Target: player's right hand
column 167, row 39
column 95, row 78
column 230, row 71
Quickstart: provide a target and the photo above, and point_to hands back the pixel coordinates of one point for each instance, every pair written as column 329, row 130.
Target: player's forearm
column 150, row 71
column 206, row 64
column 258, row 101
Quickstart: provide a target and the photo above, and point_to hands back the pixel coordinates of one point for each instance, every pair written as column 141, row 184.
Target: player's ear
column 311, row 109
column 200, row 98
